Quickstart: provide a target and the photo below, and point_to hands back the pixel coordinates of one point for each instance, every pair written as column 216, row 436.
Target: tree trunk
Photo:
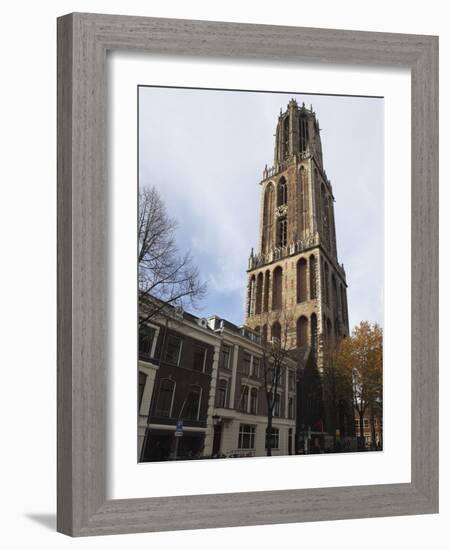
column 269, row 433
column 361, row 424
column 373, row 445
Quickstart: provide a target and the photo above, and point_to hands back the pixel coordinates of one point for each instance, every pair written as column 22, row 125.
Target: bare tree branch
column 163, row 273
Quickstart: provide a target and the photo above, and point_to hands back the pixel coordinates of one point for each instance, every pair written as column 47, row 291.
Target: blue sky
column 205, row 150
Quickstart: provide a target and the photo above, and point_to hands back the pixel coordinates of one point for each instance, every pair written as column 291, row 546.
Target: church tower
column 295, row 279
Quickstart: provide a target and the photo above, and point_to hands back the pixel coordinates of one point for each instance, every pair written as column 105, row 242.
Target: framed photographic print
column 247, row 274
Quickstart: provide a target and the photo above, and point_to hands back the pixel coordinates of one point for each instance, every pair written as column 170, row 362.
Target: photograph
column 260, row 273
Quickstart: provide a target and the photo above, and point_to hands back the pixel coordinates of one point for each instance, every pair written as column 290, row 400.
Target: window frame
column 200, row 395
column 229, row 347
column 258, row 359
column 223, row 406
column 254, row 393
column 246, row 372
column 251, row 433
column 180, row 338
column 277, row 405
column 156, row 329
column 276, row 435
column 205, row 354
column 156, row 411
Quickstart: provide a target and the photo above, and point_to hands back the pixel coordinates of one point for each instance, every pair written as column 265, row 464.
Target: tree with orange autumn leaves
column 359, row 360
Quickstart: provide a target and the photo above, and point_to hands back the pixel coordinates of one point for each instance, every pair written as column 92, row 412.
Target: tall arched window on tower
column 251, row 295
column 277, row 288
column 301, row 281
column 326, row 284
column 282, row 232
column 314, row 332
column 282, row 192
column 286, row 138
column 312, row 277
column 303, row 202
column 302, row 331
column 264, row 333
column 329, row 332
column 258, row 301
column 276, row 331
column 303, row 132
column 266, row 291
column 268, row 215
column 344, row 316
column 325, row 215
column 334, row 294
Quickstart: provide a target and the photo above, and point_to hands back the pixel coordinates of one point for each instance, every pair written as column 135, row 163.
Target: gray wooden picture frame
column 83, row 41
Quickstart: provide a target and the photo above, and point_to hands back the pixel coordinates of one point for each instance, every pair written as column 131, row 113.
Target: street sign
column 179, row 429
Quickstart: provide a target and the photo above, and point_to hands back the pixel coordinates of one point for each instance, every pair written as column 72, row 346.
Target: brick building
column 373, row 436
column 240, row 413
column 207, row 374
column 178, row 358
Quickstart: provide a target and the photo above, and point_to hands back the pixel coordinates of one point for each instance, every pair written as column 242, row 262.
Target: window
column 251, row 296
column 221, row 393
column 303, row 133
column 165, row 398
column 276, row 407
column 225, row 354
column 246, row 436
column 276, row 331
column 259, row 289
column 312, row 278
column 264, row 333
column 268, row 218
column 291, row 380
column 243, row 402
column 314, row 332
column 142, row 381
column 282, row 232
column 366, row 423
column 199, row 358
column 334, row 293
column 356, row 423
column 246, row 364
column 275, row 439
column 286, row 138
column 173, row 349
column 302, row 331
column 192, row 407
column 254, row 401
column 146, row 339
column 282, row 192
column 291, row 407
column 325, row 213
column 303, row 203
column 277, row 288
column 301, row 281
column 256, row 367
column 327, row 284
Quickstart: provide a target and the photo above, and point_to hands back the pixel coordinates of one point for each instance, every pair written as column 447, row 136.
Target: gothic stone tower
column 295, row 278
